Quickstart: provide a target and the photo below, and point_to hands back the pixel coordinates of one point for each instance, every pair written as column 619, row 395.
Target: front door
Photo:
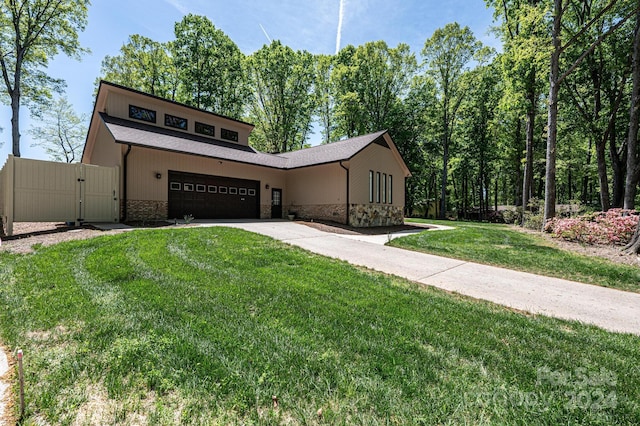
column 276, row 203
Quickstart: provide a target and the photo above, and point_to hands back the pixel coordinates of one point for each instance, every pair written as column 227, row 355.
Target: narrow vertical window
column 371, row 186
column 378, row 187
column 384, row 188
column 390, row 190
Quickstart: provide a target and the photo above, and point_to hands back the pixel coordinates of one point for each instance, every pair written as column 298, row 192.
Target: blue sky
column 310, row 25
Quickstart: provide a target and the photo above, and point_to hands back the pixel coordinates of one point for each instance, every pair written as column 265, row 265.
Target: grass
column 501, row 245
column 205, row 325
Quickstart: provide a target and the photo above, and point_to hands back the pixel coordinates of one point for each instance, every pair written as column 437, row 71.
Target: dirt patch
column 338, row 228
column 27, row 235
column 6, row 378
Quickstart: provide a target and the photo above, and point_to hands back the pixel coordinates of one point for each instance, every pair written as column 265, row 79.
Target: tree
column 447, row 54
column 325, row 95
column 633, row 164
column 282, row 102
column 145, row 65
column 522, row 33
column 475, row 133
column 556, row 77
column 31, row 33
column 371, row 81
column 210, row 68
column 61, row 132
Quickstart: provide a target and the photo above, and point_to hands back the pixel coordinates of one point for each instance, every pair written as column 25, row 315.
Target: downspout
column 124, row 183
column 346, row 222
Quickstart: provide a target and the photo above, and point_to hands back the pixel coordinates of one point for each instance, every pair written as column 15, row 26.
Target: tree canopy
column 32, row 32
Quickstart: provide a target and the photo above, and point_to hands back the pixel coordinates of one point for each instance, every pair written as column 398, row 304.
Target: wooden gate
column 45, row 191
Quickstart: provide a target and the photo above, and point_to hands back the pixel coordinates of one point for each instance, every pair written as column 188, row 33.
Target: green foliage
column 371, row 80
column 282, row 103
column 145, row 65
column 508, row 247
column 209, row 67
column 447, row 54
column 204, row 326
column 32, row 32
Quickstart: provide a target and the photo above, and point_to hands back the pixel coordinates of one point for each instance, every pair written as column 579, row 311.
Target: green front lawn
column 502, row 245
column 205, row 325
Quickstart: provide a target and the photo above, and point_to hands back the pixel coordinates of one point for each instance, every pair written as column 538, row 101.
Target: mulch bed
column 339, row 228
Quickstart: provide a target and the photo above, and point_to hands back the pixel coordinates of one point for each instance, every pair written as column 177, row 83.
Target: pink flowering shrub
column 615, row 226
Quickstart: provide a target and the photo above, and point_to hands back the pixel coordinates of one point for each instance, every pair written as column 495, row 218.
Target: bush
column 615, row 226
column 512, row 216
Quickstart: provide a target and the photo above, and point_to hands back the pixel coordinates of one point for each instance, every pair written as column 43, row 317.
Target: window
column 201, row 188
column 243, row 191
column 233, row 190
column 384, row 187
column 390, row 190
column 371, row 186
column 188, row 187
column 213, row 189
column 229, row 135
column 222, row 189
column 175, row 186
column 378, row 187
column 175, row 122
column 143, row 114
column 252, row 192
column 205, row 129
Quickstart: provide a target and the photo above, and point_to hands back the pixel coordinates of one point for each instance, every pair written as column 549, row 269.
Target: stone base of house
column 265, row 211
column 331, row 212
column 147, row 210
column 369, row 215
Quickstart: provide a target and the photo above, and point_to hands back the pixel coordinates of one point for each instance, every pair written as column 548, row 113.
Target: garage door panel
column 212, row 197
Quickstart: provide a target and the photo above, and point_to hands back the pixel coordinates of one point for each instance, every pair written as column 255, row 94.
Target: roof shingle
column 139, row 134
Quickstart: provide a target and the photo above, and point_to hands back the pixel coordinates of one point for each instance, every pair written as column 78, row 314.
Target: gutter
column 124, row 181
column 346, row 222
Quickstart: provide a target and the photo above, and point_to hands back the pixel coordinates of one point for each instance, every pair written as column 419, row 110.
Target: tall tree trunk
column 552, row 124
column 445, row 162
column 15, row 122
column 585, row 178
column 602, row 175
column 518, row 188
column 618, row 163
column 631, row 181
column 632, row 138
column 528, row 166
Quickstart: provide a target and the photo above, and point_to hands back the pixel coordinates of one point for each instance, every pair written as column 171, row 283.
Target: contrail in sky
column 339, row 35
column 265, row 33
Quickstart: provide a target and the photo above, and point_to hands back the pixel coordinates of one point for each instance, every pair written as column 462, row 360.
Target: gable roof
column 145, row 135
column 332, row 152
column 138, row 134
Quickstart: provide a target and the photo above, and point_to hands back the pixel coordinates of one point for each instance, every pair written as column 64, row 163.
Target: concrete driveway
column 610, row 309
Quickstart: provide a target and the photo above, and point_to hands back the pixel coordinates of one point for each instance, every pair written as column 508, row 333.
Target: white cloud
column 339, row 34
column 265, row 33
column 179, row 6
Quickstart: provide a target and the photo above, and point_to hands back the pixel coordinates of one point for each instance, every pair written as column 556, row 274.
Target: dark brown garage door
column 212, row 197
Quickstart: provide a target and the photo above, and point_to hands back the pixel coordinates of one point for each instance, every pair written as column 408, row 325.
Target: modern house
column 176, row 160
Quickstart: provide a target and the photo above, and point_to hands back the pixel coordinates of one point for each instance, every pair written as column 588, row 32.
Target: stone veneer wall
column 265, row 211
column 147, row 210
column 331, row 212
column 368, row 215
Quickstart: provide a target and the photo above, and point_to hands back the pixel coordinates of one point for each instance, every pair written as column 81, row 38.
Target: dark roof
column 145, row 135
column 332, row 152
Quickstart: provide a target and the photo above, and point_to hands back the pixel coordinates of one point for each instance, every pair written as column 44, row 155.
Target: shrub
column 615, row 226
column 512, row 216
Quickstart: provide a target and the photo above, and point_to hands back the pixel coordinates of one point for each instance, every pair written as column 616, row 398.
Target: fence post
column 10, row 194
